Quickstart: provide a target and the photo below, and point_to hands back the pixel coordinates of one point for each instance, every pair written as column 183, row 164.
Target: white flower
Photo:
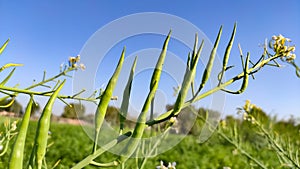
column 170, row 166
column 1, row 147
column 14, row 126
column 77, row 58
column 82, row 66
column 161, row 166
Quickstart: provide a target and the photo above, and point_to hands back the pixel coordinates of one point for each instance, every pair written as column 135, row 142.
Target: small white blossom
column 82, row 66
column 74, row 61
column 170, row 166
column 14, row 126
column 161, row 166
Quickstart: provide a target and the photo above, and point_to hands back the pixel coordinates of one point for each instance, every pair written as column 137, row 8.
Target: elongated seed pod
column 43, row 128
column 3, row 46
column 195, row 49
column 227, row 54
column 189, row 76
column 8, row 77
column 8, row 104
column 16, row 156
column 207, row 71
column 245, row 78
column 141, row 121
column 158, row 68
column 246, row 74
column 187, row 80
column 297, row 69
column 9, row 65
column 126, row 97
column 105, row 98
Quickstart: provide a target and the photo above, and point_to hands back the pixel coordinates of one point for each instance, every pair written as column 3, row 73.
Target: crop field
column 149, row 116
column 69, row 144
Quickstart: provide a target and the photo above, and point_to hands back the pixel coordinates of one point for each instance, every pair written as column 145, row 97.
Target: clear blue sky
column 45, row 33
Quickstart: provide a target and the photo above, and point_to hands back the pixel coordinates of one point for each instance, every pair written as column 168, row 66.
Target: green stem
column 277, row 146
column 86, row 161
column 234, row 143
column 167, row 116
column 30, row 92
column 144, row 160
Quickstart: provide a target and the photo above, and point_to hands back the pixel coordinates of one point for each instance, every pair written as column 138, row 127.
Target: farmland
column 69, row 145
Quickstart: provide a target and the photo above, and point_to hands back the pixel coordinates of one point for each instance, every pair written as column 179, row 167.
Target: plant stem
column 86, row 161
column 252, row 70
column 234, row 143
column 277, row 146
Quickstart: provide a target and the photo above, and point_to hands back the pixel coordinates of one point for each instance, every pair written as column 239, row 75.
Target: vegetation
column 70, row 144
column 235, row 143
column 14, row 107
column 73, row 111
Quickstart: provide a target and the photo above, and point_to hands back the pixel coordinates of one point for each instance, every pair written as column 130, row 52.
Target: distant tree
column 89, row 118
column 73, row 111
column 112, row 115
column 35, row 108
column 16, row 107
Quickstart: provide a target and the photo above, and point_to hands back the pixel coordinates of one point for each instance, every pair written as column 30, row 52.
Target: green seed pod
column 141, row 121
column 16, row 156
column 8, row 104
column 210, row 63
column 3, row 46
column 158, row 68
column 227, row 54
column 9, row 65
column 105, row 99
column 195, row 49
column 186, row 83
column 8, row 77
column 297, row 69
column 43, row 128
column 246, row 74
column 189, row 77
column 126, row 97
column 245, row 78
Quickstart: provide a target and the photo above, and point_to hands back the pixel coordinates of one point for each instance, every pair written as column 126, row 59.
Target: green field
column 70, row 145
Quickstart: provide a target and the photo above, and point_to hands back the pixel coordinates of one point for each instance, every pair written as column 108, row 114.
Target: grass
column 70, row 145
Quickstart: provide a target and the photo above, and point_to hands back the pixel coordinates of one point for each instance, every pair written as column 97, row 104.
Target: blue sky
column 45, row 33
